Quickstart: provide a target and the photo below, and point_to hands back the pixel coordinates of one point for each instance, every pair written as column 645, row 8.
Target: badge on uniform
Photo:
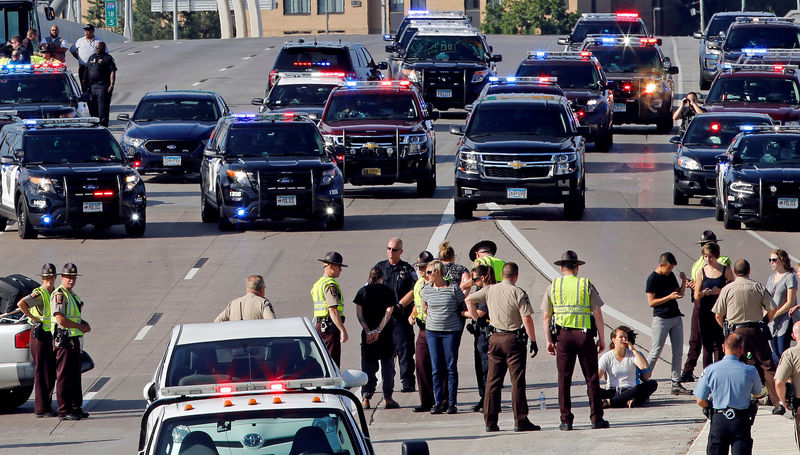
column 334, row 292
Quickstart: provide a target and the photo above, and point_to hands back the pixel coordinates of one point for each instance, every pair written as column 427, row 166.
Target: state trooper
column 68, row 328
column 483, row 253
column 36, row 306
column 326, row 294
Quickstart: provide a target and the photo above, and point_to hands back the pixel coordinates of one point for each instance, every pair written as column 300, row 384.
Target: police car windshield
column 627, row 59
column 720, row 24
column 569, row 75
column 313, row 59
column 770, row 151
column 28, row 89
column 67, row 146
column 626, row 27
column 517, row 119
column 767, row 36
column 372, row 106
column 276, row 431
column 717, row 132
column 299, row 95
column 459, row 48
column 267, row 139
column 766, row 90
column 176, row 110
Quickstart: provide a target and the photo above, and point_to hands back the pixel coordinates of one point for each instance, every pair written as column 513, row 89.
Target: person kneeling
column 621, row 365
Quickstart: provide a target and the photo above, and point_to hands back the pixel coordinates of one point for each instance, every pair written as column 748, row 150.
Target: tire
column 207, row 213
column 223, row 222
column 665, row 124
column 11, row 399
column 463, row 210
column 336, row 221
column 603, row 143
column 704, row 84
column 574, row 206
column 136, row 228
column 719, row 214
column 24, row 227
column 3, row 223
column 728, row 222
column 426, row 186
column 679, row 198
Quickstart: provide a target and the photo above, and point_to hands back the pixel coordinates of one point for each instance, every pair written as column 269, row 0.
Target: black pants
column 695, row 345
column 68, row 378
column 100, row 105
column 729, row 434
column 332, row 339
column 403, row 340
column 638, row 393
column 370, row 367
column 44, row 360
column 83, row 77
column 481, row 346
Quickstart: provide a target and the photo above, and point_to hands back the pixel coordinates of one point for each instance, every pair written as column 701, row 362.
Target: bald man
column 789, row 370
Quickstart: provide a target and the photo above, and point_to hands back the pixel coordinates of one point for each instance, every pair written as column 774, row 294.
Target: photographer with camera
column 688, row 109
column 68, row 328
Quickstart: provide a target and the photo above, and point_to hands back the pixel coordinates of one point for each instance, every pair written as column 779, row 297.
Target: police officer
column 730, row 383
column 422, row 355
column 789, row 370
column 400, row 276
column 481, row 276
column 254, row 304
column 36, row 307
column 511, row 327
column 326, row 294
column 695, row 344
column 483, row 253
column 743, row 304
column 571, row 302
column 68, row 328
column 101, row 71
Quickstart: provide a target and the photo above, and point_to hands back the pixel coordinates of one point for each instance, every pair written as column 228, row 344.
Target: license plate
column 620, row 107
column 172, row 161
column 517, row 193
column 92, row 207
column 787, row 203
column 371, row 171
column 287, row 201
column 444, row 93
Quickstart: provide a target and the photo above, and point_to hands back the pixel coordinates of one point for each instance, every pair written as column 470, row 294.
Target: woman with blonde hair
column 783, row 286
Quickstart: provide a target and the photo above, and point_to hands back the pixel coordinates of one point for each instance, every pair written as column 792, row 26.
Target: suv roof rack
column 60, row 122
column 745, row 19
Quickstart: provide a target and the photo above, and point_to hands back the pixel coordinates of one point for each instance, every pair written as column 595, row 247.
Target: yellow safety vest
column 37, row 59
column 724, row 260
column 73, row 310
column 318, row 296
column 493, row 263
column 44, row 314
column 571, row 305
column 421, row 315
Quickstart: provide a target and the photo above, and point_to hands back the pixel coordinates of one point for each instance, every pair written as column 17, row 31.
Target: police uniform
column 570, row 300
column 481, row 352
column 729, row 384
column 401, row 278
column 41, row 346
column 326, row 294
column 489, row 260
column 67, row 344
column 98, row 71
column 789, row 370
column 251, row 306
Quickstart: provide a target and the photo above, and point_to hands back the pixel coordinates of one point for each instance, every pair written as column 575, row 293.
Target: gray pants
column 661, row 328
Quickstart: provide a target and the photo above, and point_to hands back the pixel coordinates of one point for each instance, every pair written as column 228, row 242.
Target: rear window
column 772, row 90
column 51, row 88
column 717, row 132
column 767, row 37
column 312, row 59
column 569, row 75
column 283, row 95
column 584, row 28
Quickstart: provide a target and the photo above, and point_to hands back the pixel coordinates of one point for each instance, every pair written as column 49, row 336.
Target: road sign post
column 111, row 13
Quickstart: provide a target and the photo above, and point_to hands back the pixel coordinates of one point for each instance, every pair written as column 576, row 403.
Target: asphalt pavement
column 182, row 271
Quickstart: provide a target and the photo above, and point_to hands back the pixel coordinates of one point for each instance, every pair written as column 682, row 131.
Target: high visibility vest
column 37, row 59
column 724, row 260
column 421, row 314
column 73, row 312
column 493, row 263
column 43, row 314
column 318, row 296
column 571, row 305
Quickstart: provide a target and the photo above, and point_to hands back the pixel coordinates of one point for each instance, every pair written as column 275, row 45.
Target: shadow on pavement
column 53, row 444
column 625, row 168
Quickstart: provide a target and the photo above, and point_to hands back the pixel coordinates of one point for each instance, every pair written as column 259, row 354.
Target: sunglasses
column 773, row 259
column 429, row 272
column 394, row 250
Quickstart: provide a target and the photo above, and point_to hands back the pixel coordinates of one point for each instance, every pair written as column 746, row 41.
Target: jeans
column 638, row 393
column 661, row 328
column 781, row 343
column 443, row 347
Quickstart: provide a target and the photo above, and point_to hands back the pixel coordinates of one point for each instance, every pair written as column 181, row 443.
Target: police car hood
column 778, row 112
column 170, row 130
column 279, row 163
column 786, row 172
column 35, row 111
column 444, row 65
column 581, row 96
column 364, row 126
column 517, row 144
column 89, row 169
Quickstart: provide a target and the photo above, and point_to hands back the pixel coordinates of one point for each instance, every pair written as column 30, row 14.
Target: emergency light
column 245, row 388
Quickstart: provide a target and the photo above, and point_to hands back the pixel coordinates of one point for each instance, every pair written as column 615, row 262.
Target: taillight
column 627, row 87
column 22, row 340
column 273, row 76
column 581, row 114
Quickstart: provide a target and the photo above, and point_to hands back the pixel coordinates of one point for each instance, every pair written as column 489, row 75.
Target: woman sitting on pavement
column 621, row 364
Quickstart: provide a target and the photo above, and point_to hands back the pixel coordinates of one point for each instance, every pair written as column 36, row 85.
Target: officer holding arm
column 329, row 306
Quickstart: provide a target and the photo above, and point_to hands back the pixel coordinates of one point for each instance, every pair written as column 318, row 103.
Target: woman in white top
column 620, row 365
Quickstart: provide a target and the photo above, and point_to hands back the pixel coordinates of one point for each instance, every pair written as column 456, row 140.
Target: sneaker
column 492, row 428
column 602, row 423
column 679, row 389
column 565, row 427
column 391, row 404
column 408, row 388
column 779, row 410
column 527, row 426
column 84, row 415
column 437, row 409
column 70, row 417
column 47, row 414
column 478, row 407
column 687, row 376
column 421, row 409
column 365, row 403
column 452, row 409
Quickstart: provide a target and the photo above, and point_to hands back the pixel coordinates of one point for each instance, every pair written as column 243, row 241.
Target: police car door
column 220, row 136
column 8, row 173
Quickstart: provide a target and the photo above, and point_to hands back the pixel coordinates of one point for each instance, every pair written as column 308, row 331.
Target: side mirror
column 149, row 391
column 469, row 107
column 49, row 13
column 496, row 58
column 458, row 130
column 415, row 447
column 383, row 66
column 125, row 117
column 675, row 140
column 672, row 70
column 563, row 41
column 713, row 45
column 390, row 48
column 584, row 130
column 388, row 37
column 353, row 378
column 257, row 101
column 7, row 160
column 697, row 35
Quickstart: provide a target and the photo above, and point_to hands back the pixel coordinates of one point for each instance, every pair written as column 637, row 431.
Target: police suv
column 67, row 172
column 772, row 89
column 269, row 166
column 756, row 33
column 345, row 60
column 41, row 90
column 305, row 93
column 608, row 24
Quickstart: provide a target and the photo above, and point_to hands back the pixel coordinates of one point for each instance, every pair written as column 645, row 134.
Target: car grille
column 373, row 146
column 536, row 163
column 514, row 157
column 523, row 173
column 82, row 189
column 453, row 80
column 286, row 181
column 167, row 146
column 297, row 184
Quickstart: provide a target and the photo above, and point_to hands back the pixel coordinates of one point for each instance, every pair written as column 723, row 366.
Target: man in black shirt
column 663, row 292
column 101, row 72
column 400, row 277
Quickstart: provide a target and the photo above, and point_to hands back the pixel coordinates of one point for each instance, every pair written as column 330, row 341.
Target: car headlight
column 134, row 141
column 591, row 105
column 479, row 76
column 331, row 140
column 131, row 181
column 43, row 185
column 564, row 163
column 327, row 176
column 651, row 87
column 412, row 74
column 742, row 187
column 468, row 162
column 239, row 177
column 689, row 163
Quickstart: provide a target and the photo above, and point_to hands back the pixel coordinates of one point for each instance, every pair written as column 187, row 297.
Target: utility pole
column 327, row 16
column 128, row 30
column 175, row 20
column 703, row 16
column 383, row 17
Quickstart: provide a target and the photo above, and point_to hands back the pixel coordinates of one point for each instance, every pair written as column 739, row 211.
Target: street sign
column 111, row 13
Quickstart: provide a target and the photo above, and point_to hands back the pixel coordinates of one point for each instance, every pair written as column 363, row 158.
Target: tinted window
column 73, row 146
column 584, row 28
column 299, row 95
column 312, row 59
column 464, row 48
column 770, row 151
column 766, row 37
column 181, row 110
column 773, row 90
column 717, row 132
column 517, row 119
column 274, row 139
column 38, row 89
column 372, row 106
column 569, row 75
column 628, row 59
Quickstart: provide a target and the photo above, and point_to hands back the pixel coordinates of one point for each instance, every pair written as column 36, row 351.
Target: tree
column 96, row 15
column 528, row 17
column 148, row 25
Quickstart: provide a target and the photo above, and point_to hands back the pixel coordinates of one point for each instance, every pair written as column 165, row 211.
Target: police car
column 269, row 166
column 352, row 60
column 772, row 89
column 608, row 24
column 42, row 90
column 67, row 172
column 418, row 16
column 756, row 33
column 522, row 84
column 303, row 93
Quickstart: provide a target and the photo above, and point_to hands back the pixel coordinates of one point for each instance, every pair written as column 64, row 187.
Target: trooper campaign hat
column 486, row 245
column 333, row 258
column 70, row 269
column 48, row 270
column 708, row 237
column 424, row 258
column 569, row 258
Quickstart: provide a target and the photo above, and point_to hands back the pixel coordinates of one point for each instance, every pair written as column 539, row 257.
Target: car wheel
column 463, row 210
column 728, row 222
column 426, row 186
column 704, row 84
column 664, row 124
column 136, row 228
column 679, row 198
column 24, row 227
column 11, row 399
column 207, row 213
column 574, row 206
column 719, row 214
column 3, row 223
column 223, row 222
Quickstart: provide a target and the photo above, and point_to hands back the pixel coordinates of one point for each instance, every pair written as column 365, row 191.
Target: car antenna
column 165, row 87
column 315, row 40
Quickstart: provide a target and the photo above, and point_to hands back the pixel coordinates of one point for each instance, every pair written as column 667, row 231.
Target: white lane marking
column 88, row 397
column 131, row 53
column 156, row 46
column 223, row 69
column 246, row 58
column 195, row 84
column 192, row 272
column 551, row 273
column 443, row 229
column 142, row 333
column 770, row 244
column 677, row 58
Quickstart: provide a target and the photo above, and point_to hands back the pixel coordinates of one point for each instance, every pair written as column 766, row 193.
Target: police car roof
column 234, row 330
column 167, row 94
column 540, row 98
column 460, row 31
column 320, row 80
column 239, row 403
column 337, row 44
column 728, row 115
column 744, row 14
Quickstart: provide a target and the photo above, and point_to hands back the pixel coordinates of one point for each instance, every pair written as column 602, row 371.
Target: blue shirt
column 728, row 383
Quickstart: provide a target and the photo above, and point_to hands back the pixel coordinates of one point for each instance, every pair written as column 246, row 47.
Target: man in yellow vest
column 483, row 253
column 326, row 294
column 573, row 307
column 36, row 307
column 68, row 328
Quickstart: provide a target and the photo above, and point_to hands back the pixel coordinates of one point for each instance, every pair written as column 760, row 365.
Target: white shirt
column 620, row 373
column 85, row 48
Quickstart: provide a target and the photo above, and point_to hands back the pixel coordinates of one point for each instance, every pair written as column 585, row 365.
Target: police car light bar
column 523, row 79
column 76, row 121
column 272, row 116
column 394, row 84
column 521, row 96
column 616, row 40
column 610, row 15
column 771, row 128
column 787, row 20
column 732, row 67
column 539, row 55
column 250, row 387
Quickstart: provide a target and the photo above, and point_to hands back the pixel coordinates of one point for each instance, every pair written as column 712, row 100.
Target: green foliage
column 96, row 15
column 528, row 17
column 150, row 26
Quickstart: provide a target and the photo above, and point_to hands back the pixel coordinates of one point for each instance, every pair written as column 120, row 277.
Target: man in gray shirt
column 83, row 49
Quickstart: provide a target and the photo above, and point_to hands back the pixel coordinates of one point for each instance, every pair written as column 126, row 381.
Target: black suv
column 345, row 60
column 581, row 78
column 756, row 33
column 67, row 172
column 608, row 24
column 520, row 149
column 643, row 77
column 41, row 91
column 430, row 17
column 758, row 179
column 269, row 166
column 169, row 129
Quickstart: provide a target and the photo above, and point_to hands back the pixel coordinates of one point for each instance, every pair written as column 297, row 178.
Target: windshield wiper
column 479, row 135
